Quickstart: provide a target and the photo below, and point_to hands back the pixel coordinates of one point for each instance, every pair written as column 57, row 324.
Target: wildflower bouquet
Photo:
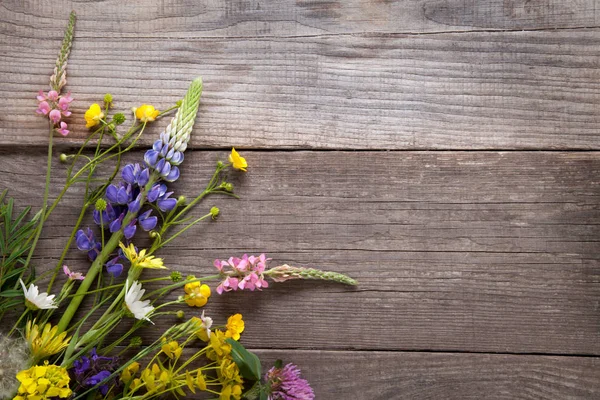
column 63, row 345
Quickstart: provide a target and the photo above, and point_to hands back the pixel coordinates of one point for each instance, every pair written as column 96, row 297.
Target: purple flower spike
column 129, row 230
column 114, row 267
column 147, row 222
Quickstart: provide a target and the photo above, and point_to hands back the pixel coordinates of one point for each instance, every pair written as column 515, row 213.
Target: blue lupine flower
column 108, row 215
column 146, row 221
column 92, row 369
column 86, row 241
column 114, row 267
column 119, row 195
column 165, row 155
column 130, row 229
column 135, row 205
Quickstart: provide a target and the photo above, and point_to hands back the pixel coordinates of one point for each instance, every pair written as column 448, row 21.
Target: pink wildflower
column 287, row 384
column 43, row 108
column 242, row 273
column 54, row 116
column 63, row 129
column 53, row 95
column 73, row 275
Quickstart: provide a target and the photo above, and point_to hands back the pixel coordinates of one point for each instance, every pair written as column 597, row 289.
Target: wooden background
column 442, row 152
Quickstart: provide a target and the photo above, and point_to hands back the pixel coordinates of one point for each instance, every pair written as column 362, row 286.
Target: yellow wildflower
column 219, row 348
column 171, row 349
column 43, row 382
column 235, row 326
column 196, row 294
column 231, row 392
column 46, row 341
column 146, row 113
column 199, row 382
column 93, row 115
column 229, row 371
column 156, row 378
column 141, row 259
column 130, row 371
column 237, row 161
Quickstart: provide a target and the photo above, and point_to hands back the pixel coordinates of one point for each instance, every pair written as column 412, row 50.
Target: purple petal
column 166, row 204
column 143, row 177
column 147, row 222
column 128, row 174
column 157, row 146
column 116, row 224
column 153, row 193
column 111, row 193
column 173, row 175
column 160, row 164
column 135, row 205
column 115, row 269
column 151, row 157
column 122, row 195
column 129, row 230
column 177, row 158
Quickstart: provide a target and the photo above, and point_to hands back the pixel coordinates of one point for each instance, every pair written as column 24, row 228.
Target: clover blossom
column 244, row 273
column 287, row 384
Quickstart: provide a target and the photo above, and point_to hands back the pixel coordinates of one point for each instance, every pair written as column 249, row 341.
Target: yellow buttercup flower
column 46, row 341
column 197, row 294
column 43, row 382
column 93, row 115
column 171, row 349
column 235, row 326
column 237, row 161
column 146, row 113
column 141, row 259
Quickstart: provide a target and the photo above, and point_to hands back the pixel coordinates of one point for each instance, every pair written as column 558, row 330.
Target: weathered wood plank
column 519, row 90
column 390, row 375
column 287, row 18
column 465, row 251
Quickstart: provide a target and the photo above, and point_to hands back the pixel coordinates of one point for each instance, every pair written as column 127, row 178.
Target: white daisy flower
column 139, row 309
column 206, row 323
column 36, row 300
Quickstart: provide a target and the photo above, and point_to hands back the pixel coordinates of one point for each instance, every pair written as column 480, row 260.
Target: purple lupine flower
column 116, row 224
column 86, row 241
column 90, row 370
column 130, row 229
column 122, row 194
column 287, row 384
column 135, row 175
column 108, row 216
column 147, row 222
column 114, row 267
column 135, row 205
column 165, row 155
column 164, row 202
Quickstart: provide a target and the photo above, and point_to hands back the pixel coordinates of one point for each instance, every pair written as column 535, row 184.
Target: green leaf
column 247, row 362
column 11, row 293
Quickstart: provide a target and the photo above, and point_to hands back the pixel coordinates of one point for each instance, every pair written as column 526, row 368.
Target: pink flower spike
column 73, row 275
column 63, row 129
column 53, row 95
column 41, row 96
column 54, row 116
column 43, row 108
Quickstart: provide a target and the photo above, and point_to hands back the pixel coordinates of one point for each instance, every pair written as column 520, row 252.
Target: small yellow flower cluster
column 140, row 259
column 197, row 294
column 171, row 349
column 44, row 342
column 43, row 382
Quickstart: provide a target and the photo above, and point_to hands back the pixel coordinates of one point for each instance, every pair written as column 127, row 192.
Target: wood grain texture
column 289, row 18
column 422, row 376
column 460, row 251
column 478, row 90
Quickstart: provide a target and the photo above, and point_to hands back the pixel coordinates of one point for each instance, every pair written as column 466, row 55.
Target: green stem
column 45, row 203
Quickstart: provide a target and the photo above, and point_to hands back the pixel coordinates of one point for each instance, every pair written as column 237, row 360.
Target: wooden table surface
column 442, row 152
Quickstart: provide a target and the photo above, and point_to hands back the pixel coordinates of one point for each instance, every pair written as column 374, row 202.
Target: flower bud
column 180, row 314
column 63, row 158
column 100, row 204
column 228, row 187
column 176, row 276
column 108, row 99
column 181, row 200
column 214, row 212
column 135, row 341
column 119, row 118
column 178, row 103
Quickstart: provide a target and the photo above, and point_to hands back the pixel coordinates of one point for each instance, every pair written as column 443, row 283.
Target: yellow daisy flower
column 141, row 259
